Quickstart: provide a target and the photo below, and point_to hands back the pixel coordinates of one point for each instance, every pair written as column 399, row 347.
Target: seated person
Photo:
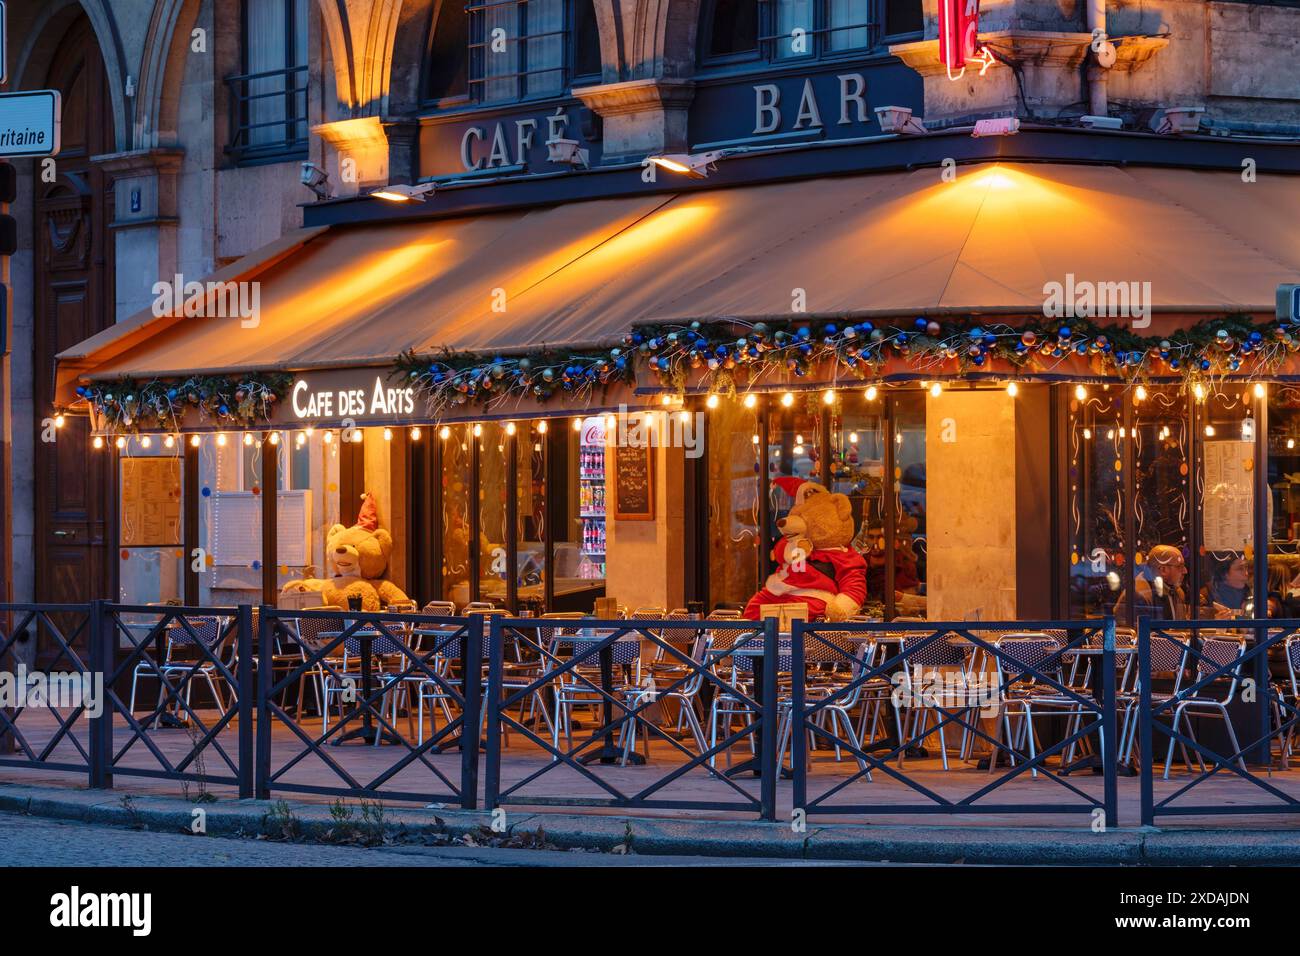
column 1158, row 586
column 1229, row 591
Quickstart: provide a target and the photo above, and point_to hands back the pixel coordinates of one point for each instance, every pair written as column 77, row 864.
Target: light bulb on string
column 478, row 430
column 273, row 438
column 248, row 438
column 510, row 428
column 327, row 437
column 388, row 434
column 828, row 397
column 120, row 443
column 542, row 427
column 577, row 424
column 415, row 433
column 221, row 439
column 712, row 400
column 1012, row 389
column 98, row 441
column 146, row 442
column 936, row 389
column 787, row 399
column 1199, row 391
column 300, row 439
column 169, row 441
column 1080, row 392
column 59, row 420
column 1140, row 394
column 871, row 393
column 751, row 400
column 444, row 432
column 195, row 441
column 1260, row 391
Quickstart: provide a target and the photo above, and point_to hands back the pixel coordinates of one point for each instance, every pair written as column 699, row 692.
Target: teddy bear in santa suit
column 816, row 564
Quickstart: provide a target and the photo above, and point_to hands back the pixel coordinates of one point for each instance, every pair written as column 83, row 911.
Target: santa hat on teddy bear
column 368, row 516
column 797, row 488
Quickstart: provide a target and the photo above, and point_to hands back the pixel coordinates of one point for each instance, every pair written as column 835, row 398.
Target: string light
column 712, row 400
column 1199, row 391
column 751, row 400
column 1260, row 391
column 510, row 428
column 1087, row 434
column 871, row 393
column 415, row 433
column 665, row 400
column 787, row 399
column 444, row 432
column 609, row 422
column 936, row 390
column 853, row 438
column 309, row 430
column 798, row 449
column 1012, row 389
column 754, row 439
column 828, row 397
column 388, row 434
column 221, row 439
column 58, row 421
column 300, row 439
column 195, row 441
column 273, row 438
column 1290, row 443
column 1140, row 394
column 478, row 430
column 98, row 442
column 577, row 424
column 169, row 442
column 146, row 441
column 542, row 426
column 121, row 442
column 248, row 438
column 684, row 416
column 327, row 437
column 1080, row 393
column 1209, row 431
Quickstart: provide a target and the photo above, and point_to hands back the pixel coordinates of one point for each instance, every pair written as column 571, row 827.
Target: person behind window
column 1229, row 591
column 1158, row 591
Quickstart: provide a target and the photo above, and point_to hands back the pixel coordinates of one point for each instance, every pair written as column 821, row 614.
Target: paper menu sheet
column 150, row 514
column 1229, row 500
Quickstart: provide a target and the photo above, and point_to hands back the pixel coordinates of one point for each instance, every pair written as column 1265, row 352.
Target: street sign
column 1288, row 302
column 29, row 123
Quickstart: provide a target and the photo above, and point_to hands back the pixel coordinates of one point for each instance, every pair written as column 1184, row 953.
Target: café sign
column 323, row 400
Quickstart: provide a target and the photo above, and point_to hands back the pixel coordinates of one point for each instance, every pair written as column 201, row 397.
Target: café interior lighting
column 1199, row 391
column 300, row 439
column 1140, row 394
column 510, row 428
column 1260, row 391
column 327, row 437
column 694, row 165
column 478, row 430
column 221, row 439
column 401, row 192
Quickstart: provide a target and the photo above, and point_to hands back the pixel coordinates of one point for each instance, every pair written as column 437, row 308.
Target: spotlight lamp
column 567, row 152
column 401, row 192
column 694, row 165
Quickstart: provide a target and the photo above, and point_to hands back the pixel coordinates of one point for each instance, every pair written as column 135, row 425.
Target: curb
column 1006, row 846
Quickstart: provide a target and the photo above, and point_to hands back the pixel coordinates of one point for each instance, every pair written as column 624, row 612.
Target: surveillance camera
column 315, row 178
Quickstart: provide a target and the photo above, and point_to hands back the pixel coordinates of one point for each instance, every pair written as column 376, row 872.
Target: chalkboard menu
column 634, row 487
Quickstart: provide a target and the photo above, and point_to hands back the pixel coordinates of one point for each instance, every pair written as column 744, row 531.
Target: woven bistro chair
column 939, row 652
column 1291, row 654
column 441, row 608
column 833, row 647
column 182, row 656
column 1024, row 695
column 1215, row 653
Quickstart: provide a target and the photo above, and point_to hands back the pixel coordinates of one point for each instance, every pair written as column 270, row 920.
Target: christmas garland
column 718, row 353
column 448, row 379
column 129, row 405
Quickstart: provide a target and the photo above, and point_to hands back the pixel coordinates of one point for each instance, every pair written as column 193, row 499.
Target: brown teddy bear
column 357, row 557
column 817, row 565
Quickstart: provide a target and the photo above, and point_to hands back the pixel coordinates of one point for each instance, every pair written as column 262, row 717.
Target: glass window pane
column 493, row 492
column 848, row 25
column 794, row 15
column 903, row 16
column 586, row 39
column 582, row 563
column 1284, row 486
column 545, row 47
column 531, row 530
column 448, row 55
column 857, row 470
column 733, row 490
column 909, row 515
column 1227, row 503
column 500, row 60
column 733, row 29
column 455, row 515
column 1163, row 506
column 1097, row 506
column 150, row 566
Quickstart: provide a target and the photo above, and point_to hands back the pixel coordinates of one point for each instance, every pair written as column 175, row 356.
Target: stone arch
column 46, row 29
column 661, row 40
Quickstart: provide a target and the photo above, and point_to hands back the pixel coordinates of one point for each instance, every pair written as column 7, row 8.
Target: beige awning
column 902, row 243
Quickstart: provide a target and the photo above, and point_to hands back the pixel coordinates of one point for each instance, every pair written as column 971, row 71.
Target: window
column 448, row 72
column 269, row 98
column 781, row 30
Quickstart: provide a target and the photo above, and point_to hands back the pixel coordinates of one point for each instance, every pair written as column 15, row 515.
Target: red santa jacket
column 829, row 575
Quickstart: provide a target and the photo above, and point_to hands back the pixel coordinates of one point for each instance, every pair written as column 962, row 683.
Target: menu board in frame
column 634, row 485
column 150, row 510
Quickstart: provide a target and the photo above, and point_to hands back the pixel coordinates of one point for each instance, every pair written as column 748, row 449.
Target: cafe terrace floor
column 522, row 759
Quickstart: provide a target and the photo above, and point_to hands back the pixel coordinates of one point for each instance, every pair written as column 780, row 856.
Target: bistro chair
column 930, row 650
column 577, row 688
column 829, row 647
column 183, row 658
column 1023, row 694
column 686, row 684
column 1216, row 653
column 441, row 608
column 1291, row 695
column 737, row 671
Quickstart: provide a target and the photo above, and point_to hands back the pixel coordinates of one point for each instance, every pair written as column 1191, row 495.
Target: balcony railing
column 268, row 115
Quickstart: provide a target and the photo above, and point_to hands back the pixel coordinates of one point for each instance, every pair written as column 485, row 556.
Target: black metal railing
column 619, row 671
column 56, row 734
column 1222, row 696
column 863, row 719
column 995, row 683
column 372, row 666
column 268, row 114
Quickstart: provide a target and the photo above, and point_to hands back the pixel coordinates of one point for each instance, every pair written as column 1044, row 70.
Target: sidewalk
column 920, row 844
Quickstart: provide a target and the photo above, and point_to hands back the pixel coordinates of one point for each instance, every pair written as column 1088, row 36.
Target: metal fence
column 1220, row 695
column 862, row 719
column 880, row 692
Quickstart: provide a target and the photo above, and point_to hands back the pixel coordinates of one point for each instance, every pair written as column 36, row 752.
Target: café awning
column 902, row 243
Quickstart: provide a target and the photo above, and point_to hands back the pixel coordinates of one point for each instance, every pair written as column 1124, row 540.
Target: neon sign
column 959, row 27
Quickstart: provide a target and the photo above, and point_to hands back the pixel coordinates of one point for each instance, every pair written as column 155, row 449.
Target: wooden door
column 73, row 497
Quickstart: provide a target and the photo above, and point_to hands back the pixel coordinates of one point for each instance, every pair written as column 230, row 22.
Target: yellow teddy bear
column 357, row 558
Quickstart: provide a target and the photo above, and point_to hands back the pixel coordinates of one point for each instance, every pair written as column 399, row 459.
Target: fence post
column 472, row 668
column 768, row 755
column 100, row 643
column 262, row 775
column 249, row 665
column 8, row 662
column 492, row 771
column 1110, row 745
column 1144, row 722
column 798, row 739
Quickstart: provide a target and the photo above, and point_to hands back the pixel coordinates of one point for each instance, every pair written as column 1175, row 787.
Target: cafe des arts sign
column 361, row 398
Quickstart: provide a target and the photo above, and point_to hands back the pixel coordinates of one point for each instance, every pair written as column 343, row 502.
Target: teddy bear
column 357, row 557
column 816, row 565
